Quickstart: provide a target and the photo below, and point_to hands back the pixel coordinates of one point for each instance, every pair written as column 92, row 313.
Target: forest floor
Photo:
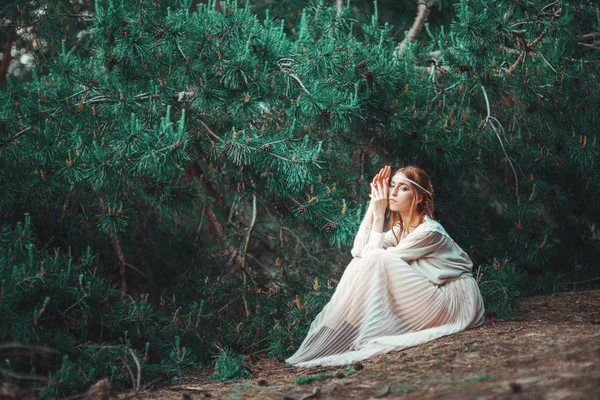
column 551, row 351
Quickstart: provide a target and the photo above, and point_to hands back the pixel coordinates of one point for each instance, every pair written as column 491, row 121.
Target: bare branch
column 7, row 142
column 517, row 63
column 139, row 370
column 489, row 119
column 124, row 361
column 338, row 4
column 201, row 221
column 248, row 233
column 591, row 46
column 116, row 245
column 423, row 11
column 588, row 37
column 6, row 57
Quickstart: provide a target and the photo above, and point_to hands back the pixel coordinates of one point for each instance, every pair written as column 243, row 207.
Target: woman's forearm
column 369, row 215
column 378, row 223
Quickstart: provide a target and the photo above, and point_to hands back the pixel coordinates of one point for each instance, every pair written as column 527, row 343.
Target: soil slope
column 552, row 351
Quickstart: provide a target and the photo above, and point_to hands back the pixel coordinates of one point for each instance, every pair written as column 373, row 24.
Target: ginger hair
column 422, row 203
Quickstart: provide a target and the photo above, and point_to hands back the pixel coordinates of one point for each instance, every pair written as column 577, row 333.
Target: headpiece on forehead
column 413, row 182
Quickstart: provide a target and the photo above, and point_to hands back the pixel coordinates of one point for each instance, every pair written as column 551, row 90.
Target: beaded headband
column 413, row 182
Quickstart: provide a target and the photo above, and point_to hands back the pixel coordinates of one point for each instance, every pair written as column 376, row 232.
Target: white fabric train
column 393, row 296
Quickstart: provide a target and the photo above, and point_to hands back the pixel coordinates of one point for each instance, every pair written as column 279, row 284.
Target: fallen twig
column 143, row 388
column 315, row 392
column 186, row 388
column 511, row 330
column 383, row 392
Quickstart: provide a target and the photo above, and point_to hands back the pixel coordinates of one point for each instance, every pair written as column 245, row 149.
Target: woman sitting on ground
column 404, row 287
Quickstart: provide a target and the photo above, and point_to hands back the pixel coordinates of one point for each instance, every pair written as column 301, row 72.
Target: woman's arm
column 373, row 217
column 379, row 199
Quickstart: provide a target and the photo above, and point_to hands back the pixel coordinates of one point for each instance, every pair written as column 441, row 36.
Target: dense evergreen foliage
column 180, row 182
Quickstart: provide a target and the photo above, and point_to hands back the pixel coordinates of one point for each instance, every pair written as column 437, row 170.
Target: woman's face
column 400, row 194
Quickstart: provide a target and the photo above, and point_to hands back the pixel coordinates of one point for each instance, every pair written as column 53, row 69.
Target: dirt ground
column 552, row 351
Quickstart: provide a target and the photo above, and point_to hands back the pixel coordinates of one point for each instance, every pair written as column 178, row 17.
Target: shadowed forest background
column 180, row 182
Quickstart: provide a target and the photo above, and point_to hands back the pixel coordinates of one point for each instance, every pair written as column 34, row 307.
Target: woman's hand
column 379, row 193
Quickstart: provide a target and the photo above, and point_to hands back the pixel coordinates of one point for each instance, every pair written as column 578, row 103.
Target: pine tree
column 220, row 161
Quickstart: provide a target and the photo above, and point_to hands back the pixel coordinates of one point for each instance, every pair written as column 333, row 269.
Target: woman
column 404, row 287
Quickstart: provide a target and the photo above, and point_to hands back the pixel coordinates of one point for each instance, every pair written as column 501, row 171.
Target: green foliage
column 287, row 335
column 229, row 365
column 501, row 285
column 307, row 380
column 213, row 164
column 87, row 327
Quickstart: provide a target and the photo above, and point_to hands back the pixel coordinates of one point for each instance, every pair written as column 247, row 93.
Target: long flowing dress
column 394, row 295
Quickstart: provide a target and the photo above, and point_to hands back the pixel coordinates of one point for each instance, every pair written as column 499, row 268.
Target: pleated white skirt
column 381, row 304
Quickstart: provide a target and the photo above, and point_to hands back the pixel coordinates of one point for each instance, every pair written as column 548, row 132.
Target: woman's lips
column 392, row 201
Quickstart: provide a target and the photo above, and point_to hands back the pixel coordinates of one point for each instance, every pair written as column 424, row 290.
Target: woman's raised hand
column 379, row 192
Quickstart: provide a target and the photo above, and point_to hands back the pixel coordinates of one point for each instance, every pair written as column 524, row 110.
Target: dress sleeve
column 417, row 245
column 369, row 239
column 361, row 239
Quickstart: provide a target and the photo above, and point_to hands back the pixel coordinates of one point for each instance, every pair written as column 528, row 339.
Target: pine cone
column 325, row 115
column 369, row 77
column 150, row 188
column 440, row 150
column 301, row 210
column 111, row 63
column 266, row 148
column 330, row 227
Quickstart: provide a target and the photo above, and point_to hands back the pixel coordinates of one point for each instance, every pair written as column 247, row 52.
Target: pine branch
column 118, row 249
column 12, row 139
column 588, row 37
column 212, row 191
column 67, row 197
column 575, row 283
column 528, row 47
column 591, row 46
column 286, row 66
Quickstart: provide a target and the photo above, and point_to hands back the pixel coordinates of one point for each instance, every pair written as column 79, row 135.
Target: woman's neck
column 416, row 221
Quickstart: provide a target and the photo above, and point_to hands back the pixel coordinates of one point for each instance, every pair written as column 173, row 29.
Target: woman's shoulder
column 431, row 225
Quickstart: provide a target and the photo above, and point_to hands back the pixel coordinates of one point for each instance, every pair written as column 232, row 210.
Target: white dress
column 393, row 296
